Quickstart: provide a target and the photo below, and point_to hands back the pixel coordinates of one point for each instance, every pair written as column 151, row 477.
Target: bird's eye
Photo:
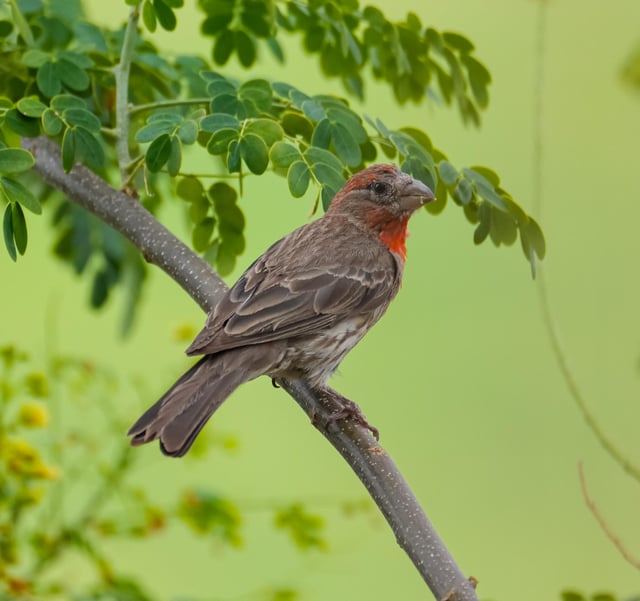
column 379, row 187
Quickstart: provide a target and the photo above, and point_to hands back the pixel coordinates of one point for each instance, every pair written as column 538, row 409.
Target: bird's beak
column 414, row 195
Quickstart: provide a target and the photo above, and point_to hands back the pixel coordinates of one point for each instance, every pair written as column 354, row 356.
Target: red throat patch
column 394, row 234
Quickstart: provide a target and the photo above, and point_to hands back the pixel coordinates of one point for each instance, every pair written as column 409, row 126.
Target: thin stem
column 141, row 108
column 543, row 292
column 603, row 523
column 122, row 71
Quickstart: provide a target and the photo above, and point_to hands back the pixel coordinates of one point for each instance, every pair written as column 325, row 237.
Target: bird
column 299, row 308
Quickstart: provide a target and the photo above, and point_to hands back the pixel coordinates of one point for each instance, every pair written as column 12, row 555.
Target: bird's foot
column 350, row 410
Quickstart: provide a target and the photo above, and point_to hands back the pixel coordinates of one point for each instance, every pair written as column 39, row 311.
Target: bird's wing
column 282, row 295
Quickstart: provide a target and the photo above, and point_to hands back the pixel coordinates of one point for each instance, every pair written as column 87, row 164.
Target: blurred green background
column 459, row 376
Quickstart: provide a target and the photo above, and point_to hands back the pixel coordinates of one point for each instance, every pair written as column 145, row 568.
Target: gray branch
column 372, row 464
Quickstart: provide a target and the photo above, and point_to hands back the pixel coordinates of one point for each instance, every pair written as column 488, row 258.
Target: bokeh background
column 459, row 376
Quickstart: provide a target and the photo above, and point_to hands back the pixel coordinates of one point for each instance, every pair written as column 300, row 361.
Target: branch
column 367, row 458
column 122, row 92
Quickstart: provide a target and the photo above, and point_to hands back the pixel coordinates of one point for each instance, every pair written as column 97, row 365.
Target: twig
column 141, row 108
column 122, row 91
column 603, row 524
column 367, row 458
column 543, row 292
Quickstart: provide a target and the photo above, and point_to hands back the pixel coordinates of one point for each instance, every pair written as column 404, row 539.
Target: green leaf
column 503, row 227
column 220, row 141
column 233, row 157
column 68, row 149
column 175, row 159
column 23, row 126
column 457, row 41
column 320, row 155
column 223, row 47
column 298, row 178
column 15, row 160
column 322, row 134
column 488, row 174
column 158, row 153
column 225, row 103
column 35, row 58
column 283, row 154
column 485, row 188
column 19, row 227
column 88, row 148
column 330, row 179
column 6, row 27
column 17, row 192
column 21, row 24
column 213, row 123
column 63, row 102
column 463, row 191
column 267, row 129
column 295, row 124
column 72, row 76
column 51, row 123
column 190, row 188
column 153, row 130
column 484, row 224
column 255, row 153
column 448, row 173
column 100, row 289
column 166, row 17
column 256, row 97
column 245, row 48
column 345, row 144
column 149, row 16
column 82, row 118
column 7, row 230
column 201, row 235
column 30, row 106
column 572, row 596
column 188, row 131
column 48, row 79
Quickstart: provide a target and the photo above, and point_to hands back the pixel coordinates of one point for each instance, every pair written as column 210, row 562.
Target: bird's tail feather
column 177, row 418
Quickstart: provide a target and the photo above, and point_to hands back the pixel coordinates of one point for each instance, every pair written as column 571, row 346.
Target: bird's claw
column 350, row 410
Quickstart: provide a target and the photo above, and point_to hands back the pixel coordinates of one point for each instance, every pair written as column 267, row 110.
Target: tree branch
column 367, row 458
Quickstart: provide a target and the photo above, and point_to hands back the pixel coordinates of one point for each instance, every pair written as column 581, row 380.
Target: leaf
column 88, row 148
column 175, row 158
column 15, row 160
column 6, row 27
column 220, row 141
column 448, row 173
column 165, row 15
column 201, row 235
column 16, row 192
column 322, row 134
column 158, row 153
column 82, row 118
column 282, row 154
column 51, row 123
column 7, row 230
column 188, row 131
column 345, row 144
column 223, row 47
column 71, row 75
column 255, row 96
column 320, row 155
column 255, row 153
column 31, row 106
column 19, row 227
column 219, row 121
column 153, row 130
column 295, row 124
column 267, row 129
column 298, row 178
column 485, row 188
column 68, row 149
column 23, row 126
column 62, row 102
column 245, row 48
column 463, row 191
column 149, row 16
column 572, row 596
column 190, row 189
column 459, row 42
column 233, row 157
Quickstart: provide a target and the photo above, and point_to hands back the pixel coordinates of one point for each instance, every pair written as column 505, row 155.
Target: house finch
column 300, row 308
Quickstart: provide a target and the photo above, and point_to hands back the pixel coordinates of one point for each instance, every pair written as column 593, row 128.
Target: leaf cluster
column 62, row 83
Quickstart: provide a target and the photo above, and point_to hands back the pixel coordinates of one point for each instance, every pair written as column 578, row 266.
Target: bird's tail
column 177, row 418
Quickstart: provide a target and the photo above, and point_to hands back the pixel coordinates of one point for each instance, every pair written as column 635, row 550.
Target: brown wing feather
column 284, row 295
